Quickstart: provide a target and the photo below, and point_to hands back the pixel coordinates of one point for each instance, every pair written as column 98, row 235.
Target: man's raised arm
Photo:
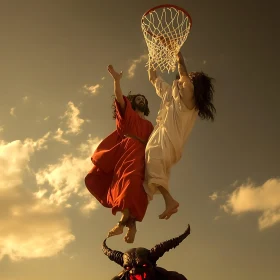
column 117, row 86
column 182, row 69
column 187, row 93
column 152, row 75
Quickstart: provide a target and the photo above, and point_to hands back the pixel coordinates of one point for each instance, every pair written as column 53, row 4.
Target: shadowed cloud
column 248, row 197
column 133, row 66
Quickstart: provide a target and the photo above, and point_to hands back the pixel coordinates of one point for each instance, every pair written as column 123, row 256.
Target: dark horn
column 159, row 250
column 113, row 255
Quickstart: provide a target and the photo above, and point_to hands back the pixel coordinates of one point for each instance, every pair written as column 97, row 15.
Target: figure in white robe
column 176, row 118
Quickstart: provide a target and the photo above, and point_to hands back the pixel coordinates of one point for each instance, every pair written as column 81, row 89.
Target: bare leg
column 171, row 205
column 130, row 236
column 118, row 229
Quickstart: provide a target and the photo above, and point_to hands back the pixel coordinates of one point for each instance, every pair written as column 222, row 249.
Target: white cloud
column 33, row 222
column 58, row 136
column 135, row 62
column 93, row 90
column 214, row 196
column 103, row 78
column 46, row 118
column 74, row 122
column 14, row 157
column 264, row 199
column 12, row 112
column 66, row 177
column 29, row 226
column 25, row 99
column 89, row 206
column 34, row 233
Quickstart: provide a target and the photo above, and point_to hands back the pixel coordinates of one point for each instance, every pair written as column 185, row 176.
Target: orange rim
column 168, row 6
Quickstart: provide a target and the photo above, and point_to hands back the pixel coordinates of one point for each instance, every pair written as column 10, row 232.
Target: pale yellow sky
column 56, row 106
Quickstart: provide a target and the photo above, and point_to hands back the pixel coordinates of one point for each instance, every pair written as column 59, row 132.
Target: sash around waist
column 135, row 137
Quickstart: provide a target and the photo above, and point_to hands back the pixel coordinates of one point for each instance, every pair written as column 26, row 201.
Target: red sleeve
column 124, row 119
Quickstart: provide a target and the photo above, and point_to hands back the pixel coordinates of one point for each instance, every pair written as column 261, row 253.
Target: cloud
column 66, row 177
column 135, row 62
column 1, row 128
column 89, row 206
column 58, row 136
column 14, row 157
column 73, row 121
column 46, row 118
column 30, row 227
column 25, row 99
column 31, row 230
column 214, row 196
column 264, row 199
column 34, row 203
column 103, row 78
column 12, row 111
column 93, row 90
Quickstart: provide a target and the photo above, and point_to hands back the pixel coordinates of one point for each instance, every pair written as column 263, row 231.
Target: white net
column 165, row 30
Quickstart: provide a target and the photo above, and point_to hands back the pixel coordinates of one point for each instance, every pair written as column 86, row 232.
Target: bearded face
column 140, row 103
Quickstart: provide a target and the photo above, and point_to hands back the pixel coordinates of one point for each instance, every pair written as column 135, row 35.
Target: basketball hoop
column 165, row 29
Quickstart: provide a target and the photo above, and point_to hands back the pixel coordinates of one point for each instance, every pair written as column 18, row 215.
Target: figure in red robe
column 116, row 179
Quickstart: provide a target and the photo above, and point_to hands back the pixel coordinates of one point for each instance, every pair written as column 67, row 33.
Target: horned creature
column 140, row 263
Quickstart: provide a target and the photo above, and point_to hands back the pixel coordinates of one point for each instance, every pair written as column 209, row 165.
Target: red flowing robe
column 116, row 179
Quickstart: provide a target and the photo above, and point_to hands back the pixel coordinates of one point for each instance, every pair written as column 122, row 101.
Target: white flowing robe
column 165, row 146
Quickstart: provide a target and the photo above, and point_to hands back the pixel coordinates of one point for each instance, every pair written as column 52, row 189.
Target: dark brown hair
column 131, row 98
column 203, row 95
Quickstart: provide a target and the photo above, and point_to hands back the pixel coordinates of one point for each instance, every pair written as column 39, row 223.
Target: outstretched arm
column 160, row 85
column 182, row 69
column 187, row 92
column 152, row 76
column 117, row 86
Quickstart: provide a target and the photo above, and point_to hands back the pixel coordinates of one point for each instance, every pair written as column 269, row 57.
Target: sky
column 56, row 107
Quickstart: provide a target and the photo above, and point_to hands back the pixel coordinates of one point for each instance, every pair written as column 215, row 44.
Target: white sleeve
column 177, row 94
column 161, row 87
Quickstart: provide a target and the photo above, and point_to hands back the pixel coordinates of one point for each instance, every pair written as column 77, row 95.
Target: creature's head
column 140, row 263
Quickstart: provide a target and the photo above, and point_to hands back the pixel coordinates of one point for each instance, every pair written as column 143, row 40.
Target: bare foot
column 171, row 208
column 130, row 236
column 171, row 213
column 116, row 230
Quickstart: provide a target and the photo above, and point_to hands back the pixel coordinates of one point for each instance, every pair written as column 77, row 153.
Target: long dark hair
column 203, row 95
column 131, row 98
